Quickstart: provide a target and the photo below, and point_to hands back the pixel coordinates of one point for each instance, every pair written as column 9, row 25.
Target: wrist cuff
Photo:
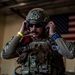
column 19, row 33
column 55, row 36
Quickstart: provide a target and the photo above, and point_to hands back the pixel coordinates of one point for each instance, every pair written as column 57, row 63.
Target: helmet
column 37, row 14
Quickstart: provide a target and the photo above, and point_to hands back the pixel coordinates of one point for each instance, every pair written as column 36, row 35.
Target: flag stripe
column 68, row 35
column 72, row 23
column 71, row 38
column 72, row 26
column 72, row 17
column 71, row 20
column 71, row 30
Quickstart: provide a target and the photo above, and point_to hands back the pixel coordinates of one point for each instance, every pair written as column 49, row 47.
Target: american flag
column 65, row 24
column 70, row 36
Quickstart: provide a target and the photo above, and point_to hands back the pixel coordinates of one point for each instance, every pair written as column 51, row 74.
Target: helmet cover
column 37, row 14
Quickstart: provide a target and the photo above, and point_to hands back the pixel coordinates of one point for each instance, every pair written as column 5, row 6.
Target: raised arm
column 67, row 49
column 9, row 50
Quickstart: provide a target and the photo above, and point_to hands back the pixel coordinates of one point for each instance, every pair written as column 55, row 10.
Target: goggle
column 37, row 25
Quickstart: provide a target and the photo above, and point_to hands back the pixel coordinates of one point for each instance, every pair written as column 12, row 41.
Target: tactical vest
column 37, row 58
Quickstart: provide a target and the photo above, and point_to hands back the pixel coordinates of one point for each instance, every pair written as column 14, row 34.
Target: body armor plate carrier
column 36, row 58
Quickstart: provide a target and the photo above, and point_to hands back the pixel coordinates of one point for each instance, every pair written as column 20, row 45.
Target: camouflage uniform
column 28, row 53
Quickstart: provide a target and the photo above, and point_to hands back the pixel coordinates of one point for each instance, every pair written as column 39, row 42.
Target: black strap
column 15, row 73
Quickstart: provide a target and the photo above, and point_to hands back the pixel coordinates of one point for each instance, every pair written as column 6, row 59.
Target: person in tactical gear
column 39, row 52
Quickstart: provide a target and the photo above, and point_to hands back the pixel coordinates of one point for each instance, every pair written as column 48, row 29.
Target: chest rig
column 36, row 58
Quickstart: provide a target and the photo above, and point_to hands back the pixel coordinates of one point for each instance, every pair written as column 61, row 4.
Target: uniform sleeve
column 67, row 49
column 9, row 50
